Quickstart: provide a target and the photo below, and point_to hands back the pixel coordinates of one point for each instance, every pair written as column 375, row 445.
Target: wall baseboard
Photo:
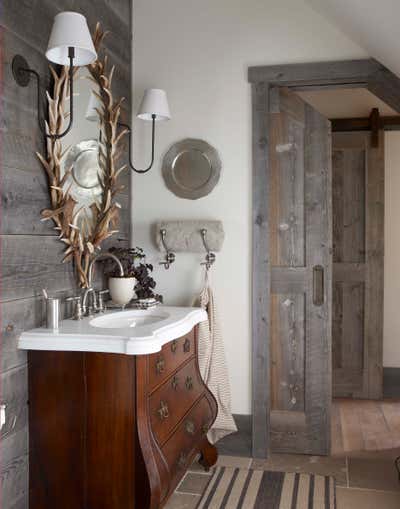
column 391, row 382
column 240, row 443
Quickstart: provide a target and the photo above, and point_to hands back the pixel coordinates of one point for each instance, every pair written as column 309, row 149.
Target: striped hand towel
column 213, row 367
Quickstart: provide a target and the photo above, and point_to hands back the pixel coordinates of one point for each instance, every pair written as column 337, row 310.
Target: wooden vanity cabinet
column 113, row 431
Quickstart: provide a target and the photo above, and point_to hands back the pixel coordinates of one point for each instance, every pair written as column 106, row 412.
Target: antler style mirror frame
column 82, row 234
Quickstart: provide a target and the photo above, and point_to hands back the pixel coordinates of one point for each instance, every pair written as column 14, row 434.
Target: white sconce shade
column 70, row 29
column 154, row 102
column 93, row 106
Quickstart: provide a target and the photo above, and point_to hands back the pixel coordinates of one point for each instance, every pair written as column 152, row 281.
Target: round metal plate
column 20, row 75
column 191, row 168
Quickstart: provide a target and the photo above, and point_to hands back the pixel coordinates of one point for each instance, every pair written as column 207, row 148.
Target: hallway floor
column 365, row 442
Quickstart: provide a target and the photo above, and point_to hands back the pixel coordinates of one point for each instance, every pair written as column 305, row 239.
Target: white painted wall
column 374, row 25
column 199, row 52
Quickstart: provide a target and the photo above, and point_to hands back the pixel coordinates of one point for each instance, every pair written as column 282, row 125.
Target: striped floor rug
column 237, row 488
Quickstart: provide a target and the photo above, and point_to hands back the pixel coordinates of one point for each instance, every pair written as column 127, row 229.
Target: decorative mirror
column 82, row 168
column 191, row 168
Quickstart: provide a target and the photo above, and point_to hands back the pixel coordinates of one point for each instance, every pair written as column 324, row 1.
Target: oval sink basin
column 129, row 319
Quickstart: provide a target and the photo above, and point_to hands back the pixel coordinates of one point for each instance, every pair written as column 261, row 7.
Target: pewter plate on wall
column 191, row 168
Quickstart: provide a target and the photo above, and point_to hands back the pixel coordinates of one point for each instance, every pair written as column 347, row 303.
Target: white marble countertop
column 130, row 337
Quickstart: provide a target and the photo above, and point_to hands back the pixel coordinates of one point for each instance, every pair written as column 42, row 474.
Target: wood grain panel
column 30, row 263
column 261, row 279
column 318, row 210
column 15, row 44
column 178, row 395
column 315, row 73
column 375, row 203
column 24, row 194
column 14, row 394
column 349, row 206
column 300, row 239
column 30, row 254
column 20, row 136
column 287, row 192
column 110, row 385
column 357, row 256
column 31, row 21
column 59, row 439
column 287, row 352
column 14, row 468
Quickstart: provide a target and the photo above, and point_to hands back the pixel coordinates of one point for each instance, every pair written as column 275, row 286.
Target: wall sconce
column 70, row 44
column 154, row 107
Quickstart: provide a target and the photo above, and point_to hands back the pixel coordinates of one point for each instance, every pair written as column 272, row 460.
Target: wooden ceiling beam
column 391, row 123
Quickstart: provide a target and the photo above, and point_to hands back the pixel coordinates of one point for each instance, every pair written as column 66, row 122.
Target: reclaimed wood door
column 358, row 236
column 300, row 234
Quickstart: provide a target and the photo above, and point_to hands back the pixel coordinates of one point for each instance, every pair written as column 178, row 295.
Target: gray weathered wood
column 375, row 266
column 358, row 242
column 20, row 137
column 24, row 314
column 24, row 194
column 30, row 253
column 261, row 274
column 14, row 468
column 30, row 263
column 318, row 203
column 14, row 394
column 385, row 85
column 315, row 73
column 28, row 19
column 299, row 239
column 366, row 73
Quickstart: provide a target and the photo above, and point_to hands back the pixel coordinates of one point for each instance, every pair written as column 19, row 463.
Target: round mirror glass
column 81, row 146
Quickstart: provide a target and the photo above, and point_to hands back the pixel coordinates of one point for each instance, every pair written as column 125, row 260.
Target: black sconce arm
column 153, row 119
column 20, row 70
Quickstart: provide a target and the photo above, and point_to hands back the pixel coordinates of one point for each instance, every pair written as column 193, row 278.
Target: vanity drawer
column 162, row 364
column 170, row 402
column 178, row 450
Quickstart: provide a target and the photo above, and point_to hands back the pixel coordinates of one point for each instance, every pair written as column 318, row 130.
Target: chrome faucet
column 90, row 289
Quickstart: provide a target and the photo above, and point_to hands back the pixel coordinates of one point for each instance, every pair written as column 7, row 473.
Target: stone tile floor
column 365, row 481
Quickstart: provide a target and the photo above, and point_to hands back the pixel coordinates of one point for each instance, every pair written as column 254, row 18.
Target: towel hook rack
column 169, row 255
column 210, row 257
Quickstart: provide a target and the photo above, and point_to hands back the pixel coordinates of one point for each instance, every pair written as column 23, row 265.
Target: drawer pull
column 163, row 411
column 189, row 383
column 173, row 346
column 160, row 365
column 186, row 345
column 182, row 460
column 175, row 383
column 190, row 427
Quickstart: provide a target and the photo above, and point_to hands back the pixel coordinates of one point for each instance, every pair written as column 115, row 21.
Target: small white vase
column 122, row 289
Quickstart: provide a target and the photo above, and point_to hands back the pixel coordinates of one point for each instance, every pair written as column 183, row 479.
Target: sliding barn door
column 300, row 232
column 358, row 233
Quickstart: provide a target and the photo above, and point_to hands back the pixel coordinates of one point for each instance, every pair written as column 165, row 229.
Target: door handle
column 318, row 285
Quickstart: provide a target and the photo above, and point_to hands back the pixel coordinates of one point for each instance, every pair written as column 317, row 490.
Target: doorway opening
column 318, row 234
column 363, row 420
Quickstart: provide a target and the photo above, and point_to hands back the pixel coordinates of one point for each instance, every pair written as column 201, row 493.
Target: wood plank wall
column 30, row 253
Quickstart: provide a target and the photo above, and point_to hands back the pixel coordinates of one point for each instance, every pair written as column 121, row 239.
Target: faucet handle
column 78, row 312
column 100, row 302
